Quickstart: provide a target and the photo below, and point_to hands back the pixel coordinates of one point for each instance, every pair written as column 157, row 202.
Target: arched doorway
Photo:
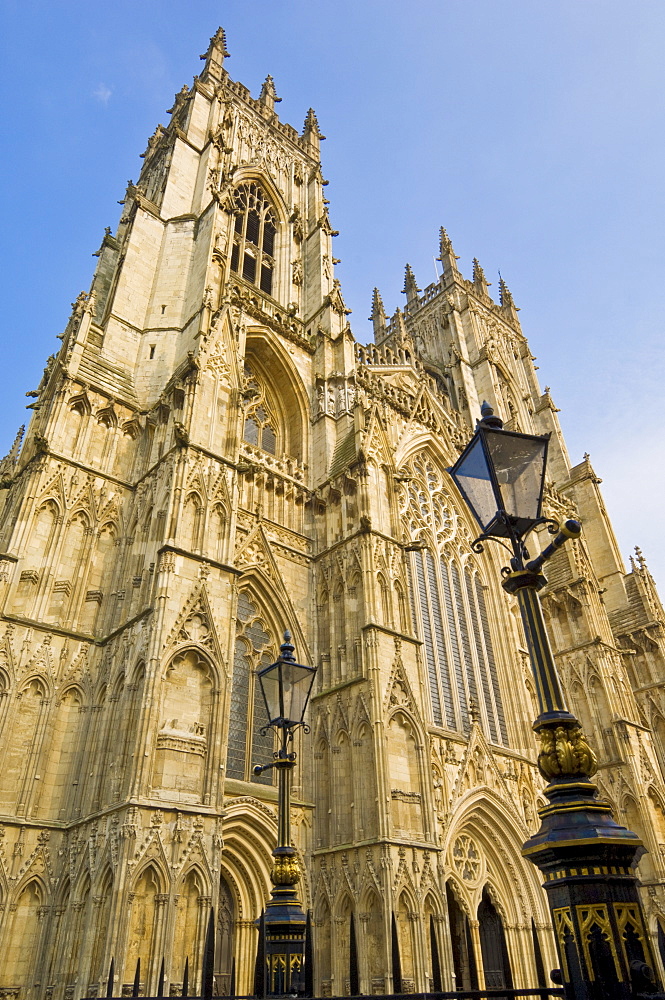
column 493, row 945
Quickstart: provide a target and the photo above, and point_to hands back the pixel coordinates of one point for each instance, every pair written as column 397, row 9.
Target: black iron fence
column 214, row 985
column 503, row 993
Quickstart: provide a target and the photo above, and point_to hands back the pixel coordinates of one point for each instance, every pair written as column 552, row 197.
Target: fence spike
column 260, row 966
column 309, row 957
column 207, row 977
column 109, row 985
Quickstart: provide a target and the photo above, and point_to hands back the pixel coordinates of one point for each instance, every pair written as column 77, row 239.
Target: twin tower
column 213, row 457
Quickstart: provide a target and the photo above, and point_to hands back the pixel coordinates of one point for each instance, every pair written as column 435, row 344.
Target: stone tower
column 213, row 458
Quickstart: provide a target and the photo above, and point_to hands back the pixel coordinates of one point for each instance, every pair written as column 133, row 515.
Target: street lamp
column 286, row 687
column 586, row 858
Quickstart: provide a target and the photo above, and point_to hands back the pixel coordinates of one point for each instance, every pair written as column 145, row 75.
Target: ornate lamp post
column 586, row 858
column 286, row 687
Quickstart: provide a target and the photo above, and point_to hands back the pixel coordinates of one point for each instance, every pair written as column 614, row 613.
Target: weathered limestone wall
column 210, row 462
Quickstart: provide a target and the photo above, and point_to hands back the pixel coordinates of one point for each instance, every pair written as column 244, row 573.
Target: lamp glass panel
column 297, row 683
column 472, row 475
column 286, row 688
column 519, row 463
column 269, row 680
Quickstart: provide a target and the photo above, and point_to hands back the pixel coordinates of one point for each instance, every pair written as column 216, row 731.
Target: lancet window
column 260, row 427
column 254, row 648
column 448, row 605
column 254, row 231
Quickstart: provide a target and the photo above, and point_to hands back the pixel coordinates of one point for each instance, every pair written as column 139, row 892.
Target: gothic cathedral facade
column 213, row 458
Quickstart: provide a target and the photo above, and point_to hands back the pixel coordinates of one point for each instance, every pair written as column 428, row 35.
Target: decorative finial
column 488, row 417
column 215, row 56
column 474, row 711
column 179, row 100
column 506, row 301
column 218, row 41
column 479, row 278
column 311, row 133
column 312, row 124
column 268, row 96
column 445, row 246
column 447, row 256
column 410, row 289
column 16, row 447
column 377, row 304
column 287, row 648
column 378, row 316
column 505, row 298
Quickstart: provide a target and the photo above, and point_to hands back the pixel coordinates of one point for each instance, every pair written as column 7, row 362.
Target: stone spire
column 506, row 300
column 447, row 255
column 378, row 317
column 479, row 279
column 213, row 70
column 311, row 133
column 268, row 96
column 410, row 287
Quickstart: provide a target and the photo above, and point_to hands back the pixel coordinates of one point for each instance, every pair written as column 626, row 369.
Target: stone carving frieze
column 334, row 396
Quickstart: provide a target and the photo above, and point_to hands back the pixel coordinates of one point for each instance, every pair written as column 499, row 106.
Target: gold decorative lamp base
column 284, row 925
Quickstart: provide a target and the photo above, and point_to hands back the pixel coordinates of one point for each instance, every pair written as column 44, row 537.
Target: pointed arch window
column 448, row 606
column 254, row 231
column 451, row 615
column 261, row 424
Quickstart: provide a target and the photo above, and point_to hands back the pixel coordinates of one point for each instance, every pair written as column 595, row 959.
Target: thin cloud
column 103, row 93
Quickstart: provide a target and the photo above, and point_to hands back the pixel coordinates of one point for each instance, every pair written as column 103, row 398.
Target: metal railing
column 508, row 993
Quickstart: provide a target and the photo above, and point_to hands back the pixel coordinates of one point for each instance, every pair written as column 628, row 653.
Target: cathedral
column 213, row 458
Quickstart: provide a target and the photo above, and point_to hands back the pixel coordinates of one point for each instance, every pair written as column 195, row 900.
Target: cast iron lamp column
column 286, row 687
column 586, row 858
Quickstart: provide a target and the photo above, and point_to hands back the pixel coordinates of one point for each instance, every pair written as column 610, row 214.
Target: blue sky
column 534, row 132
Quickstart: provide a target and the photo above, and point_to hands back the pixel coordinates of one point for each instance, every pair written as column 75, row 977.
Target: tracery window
column 254, row 648
column 448, row 606
column 254, row 231
column 260, row 427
